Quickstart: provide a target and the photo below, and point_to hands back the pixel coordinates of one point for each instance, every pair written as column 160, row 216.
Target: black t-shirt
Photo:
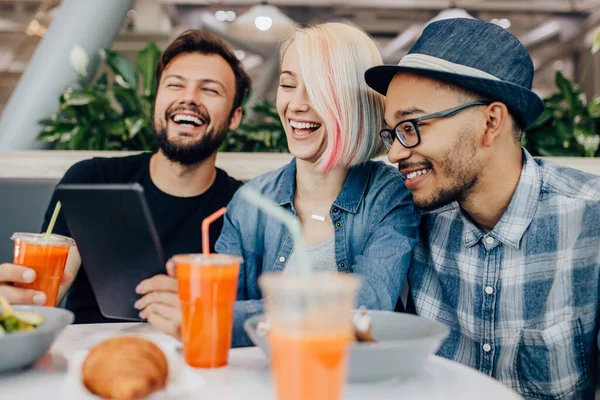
column 177, row 219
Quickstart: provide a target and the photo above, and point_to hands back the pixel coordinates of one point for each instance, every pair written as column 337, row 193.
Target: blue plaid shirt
column 522, row 300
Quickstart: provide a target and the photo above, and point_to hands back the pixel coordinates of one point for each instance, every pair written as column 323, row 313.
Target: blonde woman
column 357, row 216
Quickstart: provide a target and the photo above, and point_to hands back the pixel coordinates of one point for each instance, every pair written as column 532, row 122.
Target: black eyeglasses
column 407, row 131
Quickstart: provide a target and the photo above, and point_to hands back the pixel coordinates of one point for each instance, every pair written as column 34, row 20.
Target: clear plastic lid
column 40, row 238
column 211, row 259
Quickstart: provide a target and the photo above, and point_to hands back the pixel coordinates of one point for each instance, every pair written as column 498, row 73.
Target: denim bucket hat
column 476, row 55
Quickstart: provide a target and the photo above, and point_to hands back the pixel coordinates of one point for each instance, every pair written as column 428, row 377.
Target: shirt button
column 489, row 290
column 338, row 224
column 281, row 259
column 335, row 210
column 487, row 348
column 489, row 240
column 343, row 265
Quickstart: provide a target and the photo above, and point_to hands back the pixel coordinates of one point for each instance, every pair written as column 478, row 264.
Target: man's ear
column 236, row 119
column 497, row 120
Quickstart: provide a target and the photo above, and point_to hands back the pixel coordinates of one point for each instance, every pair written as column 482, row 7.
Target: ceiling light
column 225, row 16
column 221, row 15
column 231, row 16
column 262, row 23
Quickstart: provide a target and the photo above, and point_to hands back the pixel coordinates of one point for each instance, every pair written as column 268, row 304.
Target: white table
column 247, row 375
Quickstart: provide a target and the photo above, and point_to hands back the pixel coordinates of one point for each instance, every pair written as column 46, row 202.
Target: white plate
column 182, row 378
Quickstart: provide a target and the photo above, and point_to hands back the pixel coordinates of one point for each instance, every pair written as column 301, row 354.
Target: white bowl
column 20, row 349
column 404, row 341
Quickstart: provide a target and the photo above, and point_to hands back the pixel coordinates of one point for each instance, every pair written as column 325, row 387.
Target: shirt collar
column 287, row 184
column 348, row 199
column 520, row 211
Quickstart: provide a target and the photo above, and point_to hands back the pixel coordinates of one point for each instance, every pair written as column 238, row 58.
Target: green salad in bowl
column 17, row 321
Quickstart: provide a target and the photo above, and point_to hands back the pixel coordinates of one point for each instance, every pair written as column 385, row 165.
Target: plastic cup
column 47, row 257
column 310, row 330
column 207, row 286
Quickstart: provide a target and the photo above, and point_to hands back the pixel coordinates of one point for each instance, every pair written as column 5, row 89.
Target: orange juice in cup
column 207, row 286
column 310, row 330
column 309, row 367
column 47, row 256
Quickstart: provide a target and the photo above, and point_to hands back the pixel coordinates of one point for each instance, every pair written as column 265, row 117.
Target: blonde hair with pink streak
column 334, row 58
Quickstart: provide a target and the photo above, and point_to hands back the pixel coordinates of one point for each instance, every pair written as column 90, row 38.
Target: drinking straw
column 52, row 221
column 286, row 218
column 205, row 225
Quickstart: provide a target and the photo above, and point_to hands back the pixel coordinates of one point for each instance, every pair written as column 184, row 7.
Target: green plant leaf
column 595, row 41
column 57, row 128
column 47, row 121
column 134, row 126
column 553, row 100
column 542, row 119
column 128, row 99
column 146, row 65
column 564, row 129
column 566, row 89
column 114, row 128
column 78, row 99
column 594, row 107
column 121, row 66
column 62, row 118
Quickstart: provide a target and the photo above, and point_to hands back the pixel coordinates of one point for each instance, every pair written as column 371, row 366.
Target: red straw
column 205, row 224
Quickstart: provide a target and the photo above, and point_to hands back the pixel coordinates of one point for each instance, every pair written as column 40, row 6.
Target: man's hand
column 10, row 274
column 160, row 303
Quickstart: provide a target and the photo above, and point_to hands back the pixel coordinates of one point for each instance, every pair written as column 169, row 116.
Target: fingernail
column 28, row 276
column 138, row 289
column 141, row 315
column 137, row 305
column 39, row 299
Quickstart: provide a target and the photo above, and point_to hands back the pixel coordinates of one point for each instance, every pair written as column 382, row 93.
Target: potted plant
column 101, row 115
column 570, row 124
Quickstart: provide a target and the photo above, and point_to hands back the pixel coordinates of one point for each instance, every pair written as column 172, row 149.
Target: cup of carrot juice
column 207, row 286
column 47, row 256
column 310, row 331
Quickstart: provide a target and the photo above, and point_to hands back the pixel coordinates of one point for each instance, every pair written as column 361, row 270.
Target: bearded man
column 201, row 86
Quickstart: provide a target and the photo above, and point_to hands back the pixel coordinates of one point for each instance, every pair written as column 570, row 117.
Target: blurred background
column 559, row 35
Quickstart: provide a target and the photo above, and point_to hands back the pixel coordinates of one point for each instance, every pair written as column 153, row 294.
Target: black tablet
column 117, row 240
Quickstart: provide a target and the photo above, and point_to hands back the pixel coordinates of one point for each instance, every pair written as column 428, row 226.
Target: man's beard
column 461, row 167
column 193, row 153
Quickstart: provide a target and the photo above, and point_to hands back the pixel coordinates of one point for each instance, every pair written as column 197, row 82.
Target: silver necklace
column 319, row 218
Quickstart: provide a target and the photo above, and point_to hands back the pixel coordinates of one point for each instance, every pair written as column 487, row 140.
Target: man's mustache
column 414, row 165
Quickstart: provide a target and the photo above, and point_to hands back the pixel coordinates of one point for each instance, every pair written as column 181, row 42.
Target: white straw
column 286, row 218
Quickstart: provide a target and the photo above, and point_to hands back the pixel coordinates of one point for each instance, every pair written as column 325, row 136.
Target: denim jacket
column 375, row 226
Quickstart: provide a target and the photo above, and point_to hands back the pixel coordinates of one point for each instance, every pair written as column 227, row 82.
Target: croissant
column 125, row 368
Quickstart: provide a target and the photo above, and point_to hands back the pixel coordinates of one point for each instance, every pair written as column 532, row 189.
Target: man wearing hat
column 509, row 256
